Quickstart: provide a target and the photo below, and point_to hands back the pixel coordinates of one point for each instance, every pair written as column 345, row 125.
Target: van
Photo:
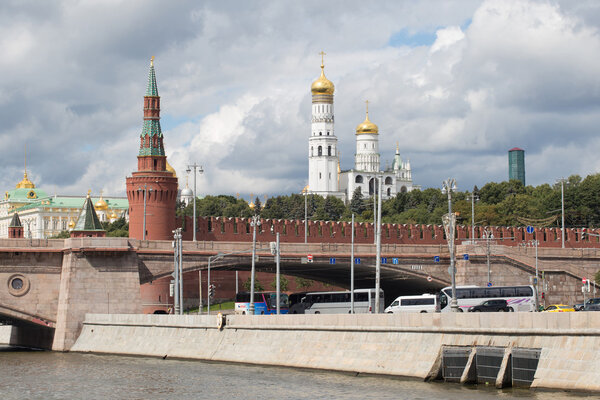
column 416, row 304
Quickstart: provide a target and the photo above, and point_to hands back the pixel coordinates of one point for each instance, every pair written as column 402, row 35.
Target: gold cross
column 367, row 101
column 152, row 61
column 322, row 53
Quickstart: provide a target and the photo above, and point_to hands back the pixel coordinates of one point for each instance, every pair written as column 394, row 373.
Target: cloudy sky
column 455, row 83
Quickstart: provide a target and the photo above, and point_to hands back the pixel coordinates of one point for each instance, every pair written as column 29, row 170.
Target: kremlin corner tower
column 152, row 189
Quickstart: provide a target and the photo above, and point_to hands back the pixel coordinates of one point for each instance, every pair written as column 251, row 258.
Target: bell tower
column 152, row 189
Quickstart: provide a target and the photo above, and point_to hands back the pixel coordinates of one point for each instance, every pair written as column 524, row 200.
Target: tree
column 258, row 287
column 61, row 235
column 357, row 205
column 283, row 283
column 302, row 283
column 257, row 206
column 118, row 228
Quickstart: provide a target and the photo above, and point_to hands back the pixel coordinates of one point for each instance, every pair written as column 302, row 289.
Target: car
column 492, row 305
column 559, row 308
column 592, row 305
column 578, row 307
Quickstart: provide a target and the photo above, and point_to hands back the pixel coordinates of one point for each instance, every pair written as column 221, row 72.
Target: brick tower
column 15, row 229
column 152, row 189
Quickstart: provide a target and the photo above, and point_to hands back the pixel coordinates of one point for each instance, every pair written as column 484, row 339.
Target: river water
column 49, row 375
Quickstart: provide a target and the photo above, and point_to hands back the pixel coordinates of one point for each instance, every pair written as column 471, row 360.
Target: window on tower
column 327, row 133
column 320, row 151
column 320, row 133
column 311, row 151
column 328, row 150
column 319, row 175
column 359, row 179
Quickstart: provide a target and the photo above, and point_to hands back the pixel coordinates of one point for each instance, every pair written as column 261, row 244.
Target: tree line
column 507, row 203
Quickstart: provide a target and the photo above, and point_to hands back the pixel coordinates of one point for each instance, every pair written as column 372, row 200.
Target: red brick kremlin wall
column 292, row 231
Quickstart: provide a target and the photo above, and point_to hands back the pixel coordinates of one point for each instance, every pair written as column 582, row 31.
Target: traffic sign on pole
column 395, row 261
column 309, row 257
column 466, row 257
column 331, row 260
column 429, row 279
column 489, row 284
column 529, row 229
column 384, row 260
column 436, row 259
column 357, row 260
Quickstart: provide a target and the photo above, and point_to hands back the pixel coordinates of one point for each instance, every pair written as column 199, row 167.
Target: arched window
column 319, row 151
column 311, row 151
column 403, row 189
column 328, row 150
column 320, row 133
column 365, row 145
column 319, row 175
column 327, row 133
column 388, row 180
column 389, row 192
column 358, row 179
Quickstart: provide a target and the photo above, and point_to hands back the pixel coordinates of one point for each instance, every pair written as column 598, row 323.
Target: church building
column 325, row 177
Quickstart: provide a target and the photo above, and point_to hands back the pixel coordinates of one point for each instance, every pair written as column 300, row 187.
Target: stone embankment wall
column 407, row 345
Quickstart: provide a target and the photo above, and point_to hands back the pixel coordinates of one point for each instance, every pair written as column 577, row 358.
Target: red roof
column 516, row 148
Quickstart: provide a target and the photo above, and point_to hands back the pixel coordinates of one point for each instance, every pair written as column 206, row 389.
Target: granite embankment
column 408, row 345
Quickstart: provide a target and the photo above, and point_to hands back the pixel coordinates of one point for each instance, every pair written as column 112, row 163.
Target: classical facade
column 43, row 216
column 152, row 189
column 325, row 177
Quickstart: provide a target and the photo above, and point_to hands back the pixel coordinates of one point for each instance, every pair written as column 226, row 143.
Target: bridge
column 47, row 286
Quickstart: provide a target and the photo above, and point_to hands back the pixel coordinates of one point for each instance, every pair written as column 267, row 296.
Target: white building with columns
column 324, row 175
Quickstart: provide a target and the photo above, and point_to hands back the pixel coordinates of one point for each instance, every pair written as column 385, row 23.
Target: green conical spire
column 152, row 89
column 88, row 219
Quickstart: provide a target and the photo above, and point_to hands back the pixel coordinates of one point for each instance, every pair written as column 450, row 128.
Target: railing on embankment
column 553, row 348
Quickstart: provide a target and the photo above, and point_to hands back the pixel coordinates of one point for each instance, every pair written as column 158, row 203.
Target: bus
column 416, row 304
column 264, row 303
column 519, row 298
column 339, row 302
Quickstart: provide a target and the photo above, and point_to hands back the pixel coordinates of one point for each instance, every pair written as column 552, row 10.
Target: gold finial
column 89, row 192
column 152, row 61
column 25, row 159
column 322, row 53
column 397, row 147
column 367, row 101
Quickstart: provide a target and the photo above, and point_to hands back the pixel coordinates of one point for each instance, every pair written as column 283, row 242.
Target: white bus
column 519, row 298
column 339, row 302
column 415, row 304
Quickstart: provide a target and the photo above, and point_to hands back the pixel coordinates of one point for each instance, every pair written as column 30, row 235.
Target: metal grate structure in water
column 524, row 365
column 489, row 360
column 454, row 360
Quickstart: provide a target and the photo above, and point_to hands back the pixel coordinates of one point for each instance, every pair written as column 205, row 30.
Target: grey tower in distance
column 516, row 164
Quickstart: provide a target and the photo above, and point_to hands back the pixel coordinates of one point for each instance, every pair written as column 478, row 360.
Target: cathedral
column 325, row 177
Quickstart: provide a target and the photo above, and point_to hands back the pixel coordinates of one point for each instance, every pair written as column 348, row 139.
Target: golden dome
column 71, row 224
column 322, row 85
column 367, row 126
column 25, row 183
column 113, row 215
column 101, row 205
column 171, row 169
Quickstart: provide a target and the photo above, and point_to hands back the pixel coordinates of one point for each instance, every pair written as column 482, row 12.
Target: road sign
column 357, row 260
column 384, row 260
column 529, row 229
column 436, row 259
column 429, row 279
column 331, row 260
column 584, row 280
column 489, row 284
column 309, row 257
column 466, row 257
column 395, row 261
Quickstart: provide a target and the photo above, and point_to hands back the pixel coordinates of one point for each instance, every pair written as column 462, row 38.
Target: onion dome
column 187, row 192
column 101, row 205
column 71, row 224
column 171, row 169
column 25, row 183
column 113, row 215
column 367, row 126
column 322, row 85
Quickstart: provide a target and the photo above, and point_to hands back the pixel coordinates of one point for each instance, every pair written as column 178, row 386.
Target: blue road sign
column 332, row 260
column 489, row 284
column 529, row 229
column 357, row 260
column 395, row 261
column 466, row 257
column 436, row 258
column 384, row 260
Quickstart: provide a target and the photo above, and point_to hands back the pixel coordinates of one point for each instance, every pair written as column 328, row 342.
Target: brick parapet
column 292, row 231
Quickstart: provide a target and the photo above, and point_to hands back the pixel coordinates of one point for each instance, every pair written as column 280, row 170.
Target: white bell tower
column 322, row 144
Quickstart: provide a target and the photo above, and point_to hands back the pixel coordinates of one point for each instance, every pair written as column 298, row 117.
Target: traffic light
column 583, row 232
column 211, row 291
column 543, row 295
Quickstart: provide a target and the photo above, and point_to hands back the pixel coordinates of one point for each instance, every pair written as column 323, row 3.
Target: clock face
column 31, row 195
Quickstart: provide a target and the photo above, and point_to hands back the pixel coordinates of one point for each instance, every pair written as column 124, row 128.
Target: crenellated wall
column 292, row 231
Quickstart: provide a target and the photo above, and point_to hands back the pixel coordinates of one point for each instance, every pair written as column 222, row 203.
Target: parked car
column 492, row 305
column 559, row 308
column 592, row 304
column 578, row 307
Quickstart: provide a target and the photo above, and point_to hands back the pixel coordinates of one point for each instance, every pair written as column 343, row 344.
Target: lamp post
column 378, row 247
column 305, row 191
column 177, row 272
column 488, row 236
column 254, row 223
column 535, row 243
column 145, row 189
column 352, row 269
column 562, row 209
column 277, row 274
column 447, row 187
column 474, row 198
column 188, row 170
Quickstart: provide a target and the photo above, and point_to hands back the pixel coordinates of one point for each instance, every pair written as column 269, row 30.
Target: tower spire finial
column 322, row 53
column 152, row 61
column 367, row 102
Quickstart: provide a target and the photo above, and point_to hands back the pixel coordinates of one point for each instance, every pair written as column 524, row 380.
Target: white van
column 417, row 304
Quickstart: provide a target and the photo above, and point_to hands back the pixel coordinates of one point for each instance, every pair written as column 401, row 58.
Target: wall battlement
column 292, row 231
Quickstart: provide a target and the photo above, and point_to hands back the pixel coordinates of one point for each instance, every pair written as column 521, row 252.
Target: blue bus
column 264, row 303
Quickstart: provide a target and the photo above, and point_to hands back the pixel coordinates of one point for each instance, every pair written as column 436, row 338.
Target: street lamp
column 473, row 198
column 488, row 235
column 562, row 209
column 447, row 187
column 305, row 192
column 378, row 246
column 188, row 170
column 177, row 272
column 254, row 223
column 352, row 269
column 535, row 243
column 145, row 189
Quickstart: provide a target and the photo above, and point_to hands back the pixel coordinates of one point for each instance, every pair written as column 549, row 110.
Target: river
column 50, row 375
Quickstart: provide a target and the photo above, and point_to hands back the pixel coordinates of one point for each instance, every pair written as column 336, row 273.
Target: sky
column 455, row 83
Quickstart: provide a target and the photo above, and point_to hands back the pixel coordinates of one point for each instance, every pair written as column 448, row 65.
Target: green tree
column 258, row 287
column 357, row 205
column 61, row 235
column 118, row 228
column 302, row 283
column 283, row 283
column 257, row 206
